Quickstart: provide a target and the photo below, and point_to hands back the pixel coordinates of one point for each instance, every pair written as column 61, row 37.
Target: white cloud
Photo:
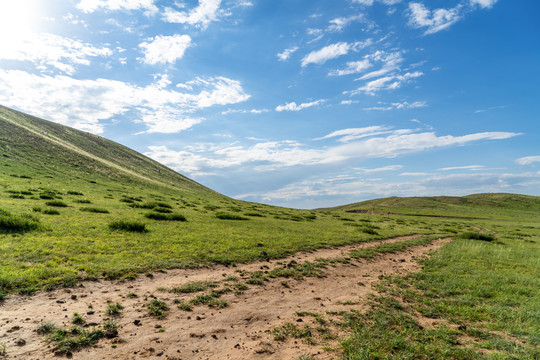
column 167, row 120
column 342, row 190
column 434, row 21
column 332, row 51
column 201, row 16
column 83, row 104
column 165, row 49
column 370, row 2
column 89, row 6
column 414, row 174
column 353, row 144
column 351, row 134
column 398, row 106
column 528, row 160
column 380, row 169
column 484, row 3
column 364, row 2
column 293, row 107
column 390, row 62
column 286, row 54
column 391, row 82
column 252, row 111
column 468, row 167
column 47, row 50
column 338, row 24
column 353, row 67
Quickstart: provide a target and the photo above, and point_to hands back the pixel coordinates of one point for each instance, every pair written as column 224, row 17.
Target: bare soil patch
column 242, row 330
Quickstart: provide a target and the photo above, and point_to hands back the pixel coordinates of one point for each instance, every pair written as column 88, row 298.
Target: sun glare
column 18, row 19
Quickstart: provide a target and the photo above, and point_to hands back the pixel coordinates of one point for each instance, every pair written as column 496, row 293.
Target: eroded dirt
column 242, row 330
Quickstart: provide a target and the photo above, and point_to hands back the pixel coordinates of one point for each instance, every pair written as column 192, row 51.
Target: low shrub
column 56, row 203
column 227, row 216
column 95, row 210
column 471, row 235
column 166, row 217
column 82, row 201
column 131, row 226
column 157, row 308
column 15, row 224
column 51, row 212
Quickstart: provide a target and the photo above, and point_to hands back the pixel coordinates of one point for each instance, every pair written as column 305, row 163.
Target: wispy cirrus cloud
column 165, row 49
column 398, row 106
column 528, row 160
column 333, row 51
column 353, row 145
column 353, row 67
column 339, row 23
column 292, row 106
column 286, row 54
column 90, row 6
column 467, row 167
column 390, row 82
column 200, row 16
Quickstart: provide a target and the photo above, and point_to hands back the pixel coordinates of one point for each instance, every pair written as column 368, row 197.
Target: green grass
column 157, row 308
column 192, row 287
column 483, row 294
column 114, row 309
column 75, row 338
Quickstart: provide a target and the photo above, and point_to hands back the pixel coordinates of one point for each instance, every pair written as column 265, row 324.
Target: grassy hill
column 478, row 205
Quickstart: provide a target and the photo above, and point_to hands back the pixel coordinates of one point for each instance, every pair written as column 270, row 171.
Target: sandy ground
column 242, row 330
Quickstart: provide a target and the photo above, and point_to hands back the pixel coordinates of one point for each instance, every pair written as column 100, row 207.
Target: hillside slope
column 43, row 148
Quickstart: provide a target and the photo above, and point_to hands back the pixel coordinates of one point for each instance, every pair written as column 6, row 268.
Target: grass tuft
column 16, row 224
column 227, row 216
column 471, row 235
column 130, row 226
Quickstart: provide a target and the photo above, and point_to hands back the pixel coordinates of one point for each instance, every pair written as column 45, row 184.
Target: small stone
column 20, row 342
column 137, row 322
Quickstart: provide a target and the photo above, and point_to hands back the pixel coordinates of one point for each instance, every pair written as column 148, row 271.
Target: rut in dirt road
column 247, row 305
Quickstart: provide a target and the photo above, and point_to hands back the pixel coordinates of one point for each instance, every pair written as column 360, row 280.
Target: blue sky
column 300, row 103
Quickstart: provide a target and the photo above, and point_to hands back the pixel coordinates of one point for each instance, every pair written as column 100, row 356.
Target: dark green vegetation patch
column 130, row 226
column 10, row 223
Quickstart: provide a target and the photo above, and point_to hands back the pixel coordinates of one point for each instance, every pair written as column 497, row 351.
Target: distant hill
column 488, row 203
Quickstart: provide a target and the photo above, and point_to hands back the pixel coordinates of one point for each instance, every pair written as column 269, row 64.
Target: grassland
column 75, row 207
column 78, row 193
